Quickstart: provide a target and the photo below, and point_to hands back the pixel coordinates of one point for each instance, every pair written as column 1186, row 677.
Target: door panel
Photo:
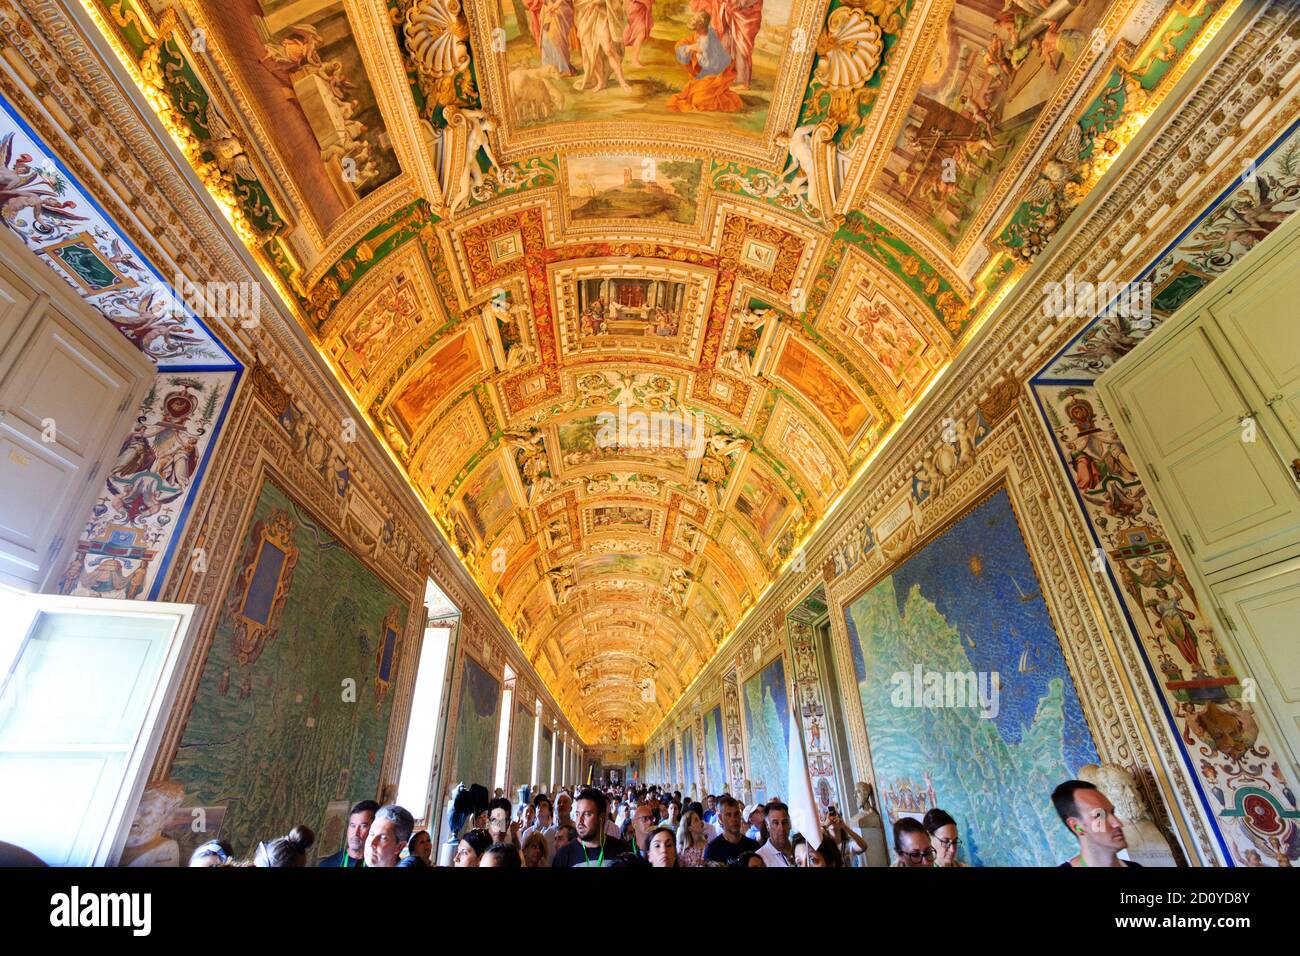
column 1264, row 608
column 67, row 382
column 1233, row 497
column 30, row 472
column 1259, row 321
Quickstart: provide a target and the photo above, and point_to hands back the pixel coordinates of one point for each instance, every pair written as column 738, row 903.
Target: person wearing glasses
column 943, row 837
column 912, row 843
column 637, row 830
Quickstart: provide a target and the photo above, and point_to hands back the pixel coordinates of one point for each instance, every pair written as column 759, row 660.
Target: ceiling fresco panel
column 631, row 288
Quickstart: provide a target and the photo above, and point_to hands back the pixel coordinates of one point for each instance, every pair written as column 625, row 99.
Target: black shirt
column 720, row 850
column 574, row 853
column 1067, row 865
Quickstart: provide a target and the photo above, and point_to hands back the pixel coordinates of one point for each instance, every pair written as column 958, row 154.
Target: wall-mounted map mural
column 767, row 724
column 688, row 760
column 968, row 603
column 292, row 709
column 544, row 758
column 521, row 750
column 715, row 759
column 476, row 726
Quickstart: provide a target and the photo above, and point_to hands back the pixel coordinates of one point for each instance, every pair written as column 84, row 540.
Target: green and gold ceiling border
column 1124, row 100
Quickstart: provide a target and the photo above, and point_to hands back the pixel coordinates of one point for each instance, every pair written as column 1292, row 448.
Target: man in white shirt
column 778, row 850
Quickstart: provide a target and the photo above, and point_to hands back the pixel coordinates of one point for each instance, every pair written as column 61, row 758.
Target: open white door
column 87, row 686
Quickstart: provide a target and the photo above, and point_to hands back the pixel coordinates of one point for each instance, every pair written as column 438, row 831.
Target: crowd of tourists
column 647, row 826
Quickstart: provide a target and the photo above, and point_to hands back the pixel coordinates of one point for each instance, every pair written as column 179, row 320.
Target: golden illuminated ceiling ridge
column 630, row 346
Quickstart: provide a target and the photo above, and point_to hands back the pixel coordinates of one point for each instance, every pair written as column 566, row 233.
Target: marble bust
column 145, row 844
column 1146, row 844
column 869, row 825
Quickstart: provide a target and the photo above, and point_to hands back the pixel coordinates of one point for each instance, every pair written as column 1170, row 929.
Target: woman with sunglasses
column 943, row 837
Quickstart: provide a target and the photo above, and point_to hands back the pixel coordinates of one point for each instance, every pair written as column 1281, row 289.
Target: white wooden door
column 69, row 384
column 1217, row 481
column 1262, row 610
column 83, row 702
column 1259, row 320
column 56, row 409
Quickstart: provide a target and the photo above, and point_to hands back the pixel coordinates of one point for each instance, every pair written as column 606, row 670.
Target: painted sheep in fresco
column 534, row 93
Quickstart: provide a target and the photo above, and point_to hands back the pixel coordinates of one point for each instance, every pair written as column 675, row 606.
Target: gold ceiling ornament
column 848, row 55
column 436, row 41
column 884, row 12
column 216, row 178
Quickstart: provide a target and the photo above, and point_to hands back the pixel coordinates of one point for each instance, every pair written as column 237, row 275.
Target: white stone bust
column 145, row 844
column 869, row 825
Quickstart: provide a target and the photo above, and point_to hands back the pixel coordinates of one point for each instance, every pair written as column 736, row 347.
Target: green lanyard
column 347, row 858
column 601, row 860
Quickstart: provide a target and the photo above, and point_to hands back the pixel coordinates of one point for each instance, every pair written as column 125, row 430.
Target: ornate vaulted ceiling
column 632, row 292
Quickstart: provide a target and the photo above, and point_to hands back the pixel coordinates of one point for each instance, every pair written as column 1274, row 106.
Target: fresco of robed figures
column 392, row 313
column 302, row 68
column 992, row 73
column 968, row 603
column 627, row 306
column 708, row 62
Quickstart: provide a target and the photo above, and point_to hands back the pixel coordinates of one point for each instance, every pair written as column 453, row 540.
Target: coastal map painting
column 688, row 758
column 969, row 603
column 767, row 723
column 715, row 760
column 476, row 726
column 544, row 758
column 291, row 713
column 521, row 749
